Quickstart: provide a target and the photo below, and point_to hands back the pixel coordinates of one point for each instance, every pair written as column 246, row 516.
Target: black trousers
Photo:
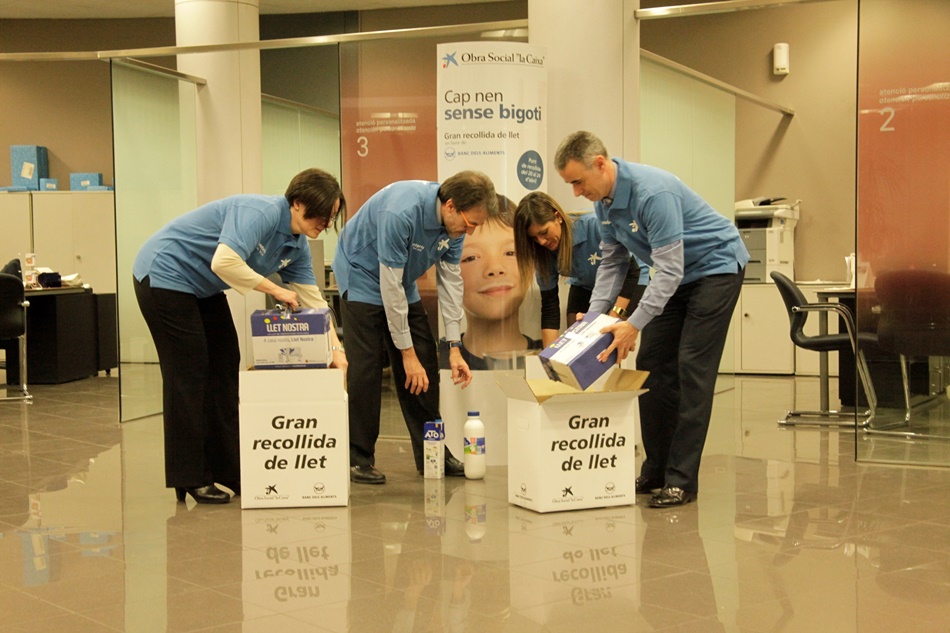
column 200, row 359
column 368, row 342
column 681, row 349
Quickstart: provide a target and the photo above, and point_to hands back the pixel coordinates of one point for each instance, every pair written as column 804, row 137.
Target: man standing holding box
column 699, row 261
column 384, row 248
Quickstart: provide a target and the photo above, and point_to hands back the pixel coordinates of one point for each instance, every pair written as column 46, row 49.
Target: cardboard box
column 28, row 163
column 295, row 440
column 49, row 184
column 572, row 358
column 82, row 181
column 575, row 449
column 286, row 340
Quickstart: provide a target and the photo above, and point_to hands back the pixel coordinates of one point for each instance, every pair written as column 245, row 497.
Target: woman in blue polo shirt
column 180, row 275
column 550, row 243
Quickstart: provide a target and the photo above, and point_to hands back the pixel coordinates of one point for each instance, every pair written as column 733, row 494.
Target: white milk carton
column 433, row 450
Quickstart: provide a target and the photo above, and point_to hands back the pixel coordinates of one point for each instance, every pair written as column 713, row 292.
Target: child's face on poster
column 490, row 273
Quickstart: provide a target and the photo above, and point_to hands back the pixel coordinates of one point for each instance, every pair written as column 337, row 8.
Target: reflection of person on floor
column 492, row 293
column 551, row 243
column 674, row 535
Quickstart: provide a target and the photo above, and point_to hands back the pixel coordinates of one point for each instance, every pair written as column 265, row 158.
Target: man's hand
column 461, row 374
column 416, row 379
column 625, row 340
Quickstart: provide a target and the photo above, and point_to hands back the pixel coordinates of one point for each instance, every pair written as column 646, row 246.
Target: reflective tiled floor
column 789, row 534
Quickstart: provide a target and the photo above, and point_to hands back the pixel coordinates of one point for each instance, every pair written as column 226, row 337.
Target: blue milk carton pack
column 433, row 450
column 286, row 340
column 572, row 358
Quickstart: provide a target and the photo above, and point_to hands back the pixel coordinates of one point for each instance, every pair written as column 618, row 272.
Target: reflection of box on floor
column 560, row 547
column 575, row 449
column 294, row 339
column 298, row 560
column 295, row 446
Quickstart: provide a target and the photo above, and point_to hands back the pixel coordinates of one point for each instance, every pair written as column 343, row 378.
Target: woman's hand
column 286, row 297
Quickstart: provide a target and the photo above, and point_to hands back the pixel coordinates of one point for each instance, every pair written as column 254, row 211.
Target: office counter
column 71, row 334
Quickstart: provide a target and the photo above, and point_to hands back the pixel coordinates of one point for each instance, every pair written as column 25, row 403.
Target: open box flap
column 621, row 382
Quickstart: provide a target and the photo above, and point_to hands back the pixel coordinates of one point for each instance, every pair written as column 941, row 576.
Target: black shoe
column 204, row 494
column 366, row 475
column 648, row 486
column 454, row 467
column 672, row 496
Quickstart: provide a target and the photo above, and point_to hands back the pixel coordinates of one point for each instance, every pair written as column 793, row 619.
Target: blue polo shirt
column 400, row 227
column 653, row 208
column 586, row 256
column 178, row 257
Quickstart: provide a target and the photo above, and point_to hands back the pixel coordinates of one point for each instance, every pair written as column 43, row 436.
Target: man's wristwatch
column 620, row 313
column 337, row 348
column 456, row 344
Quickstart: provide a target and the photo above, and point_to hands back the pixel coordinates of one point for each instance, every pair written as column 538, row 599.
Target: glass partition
column 297, row 136
column 155, row 171
column 903, row 227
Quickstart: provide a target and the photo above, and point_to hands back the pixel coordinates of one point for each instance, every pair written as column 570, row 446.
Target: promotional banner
column 491, row 112
column 492, row 107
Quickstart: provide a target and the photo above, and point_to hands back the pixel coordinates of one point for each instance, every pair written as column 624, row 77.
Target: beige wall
column 812, row 155
column 66, row 106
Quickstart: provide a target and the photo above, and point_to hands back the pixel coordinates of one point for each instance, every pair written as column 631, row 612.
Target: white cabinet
column 763, row 344
column 16, row 238
column 74, row 232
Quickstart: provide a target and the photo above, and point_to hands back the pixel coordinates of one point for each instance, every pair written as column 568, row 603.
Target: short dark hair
column 469, row 189
column 581, row 146
column 317, row 191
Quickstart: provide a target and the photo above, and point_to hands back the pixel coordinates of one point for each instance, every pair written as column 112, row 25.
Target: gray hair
column 581, row 146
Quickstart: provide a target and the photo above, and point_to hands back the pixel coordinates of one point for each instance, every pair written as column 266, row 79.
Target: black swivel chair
column 13, row 267
column 13, row 305
column 914, row 322
column 798, row 309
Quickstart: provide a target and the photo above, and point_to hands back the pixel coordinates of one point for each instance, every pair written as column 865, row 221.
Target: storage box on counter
column 575, row 448
column 49, row 184
column 28, row 163
column 285, row 340
column 572, row 358
column 82, row 181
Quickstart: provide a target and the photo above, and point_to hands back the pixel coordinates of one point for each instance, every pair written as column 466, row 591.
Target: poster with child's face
column 493, row 289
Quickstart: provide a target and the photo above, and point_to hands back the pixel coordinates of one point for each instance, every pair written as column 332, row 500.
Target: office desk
column 884, row 367
column 71, row 334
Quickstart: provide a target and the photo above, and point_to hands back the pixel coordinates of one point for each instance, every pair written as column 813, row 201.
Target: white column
column 229, row 144
column 593, row 64
column 229, row 107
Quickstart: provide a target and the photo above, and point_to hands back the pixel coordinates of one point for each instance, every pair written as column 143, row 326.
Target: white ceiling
column 80, row 9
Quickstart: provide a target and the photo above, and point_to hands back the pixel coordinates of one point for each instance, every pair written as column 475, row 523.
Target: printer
column 767, row 226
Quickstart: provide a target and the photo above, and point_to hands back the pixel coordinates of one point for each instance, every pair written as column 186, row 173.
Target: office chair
column 13, row 267
column 914, row 321
column 798, row 309
column 13, row 305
